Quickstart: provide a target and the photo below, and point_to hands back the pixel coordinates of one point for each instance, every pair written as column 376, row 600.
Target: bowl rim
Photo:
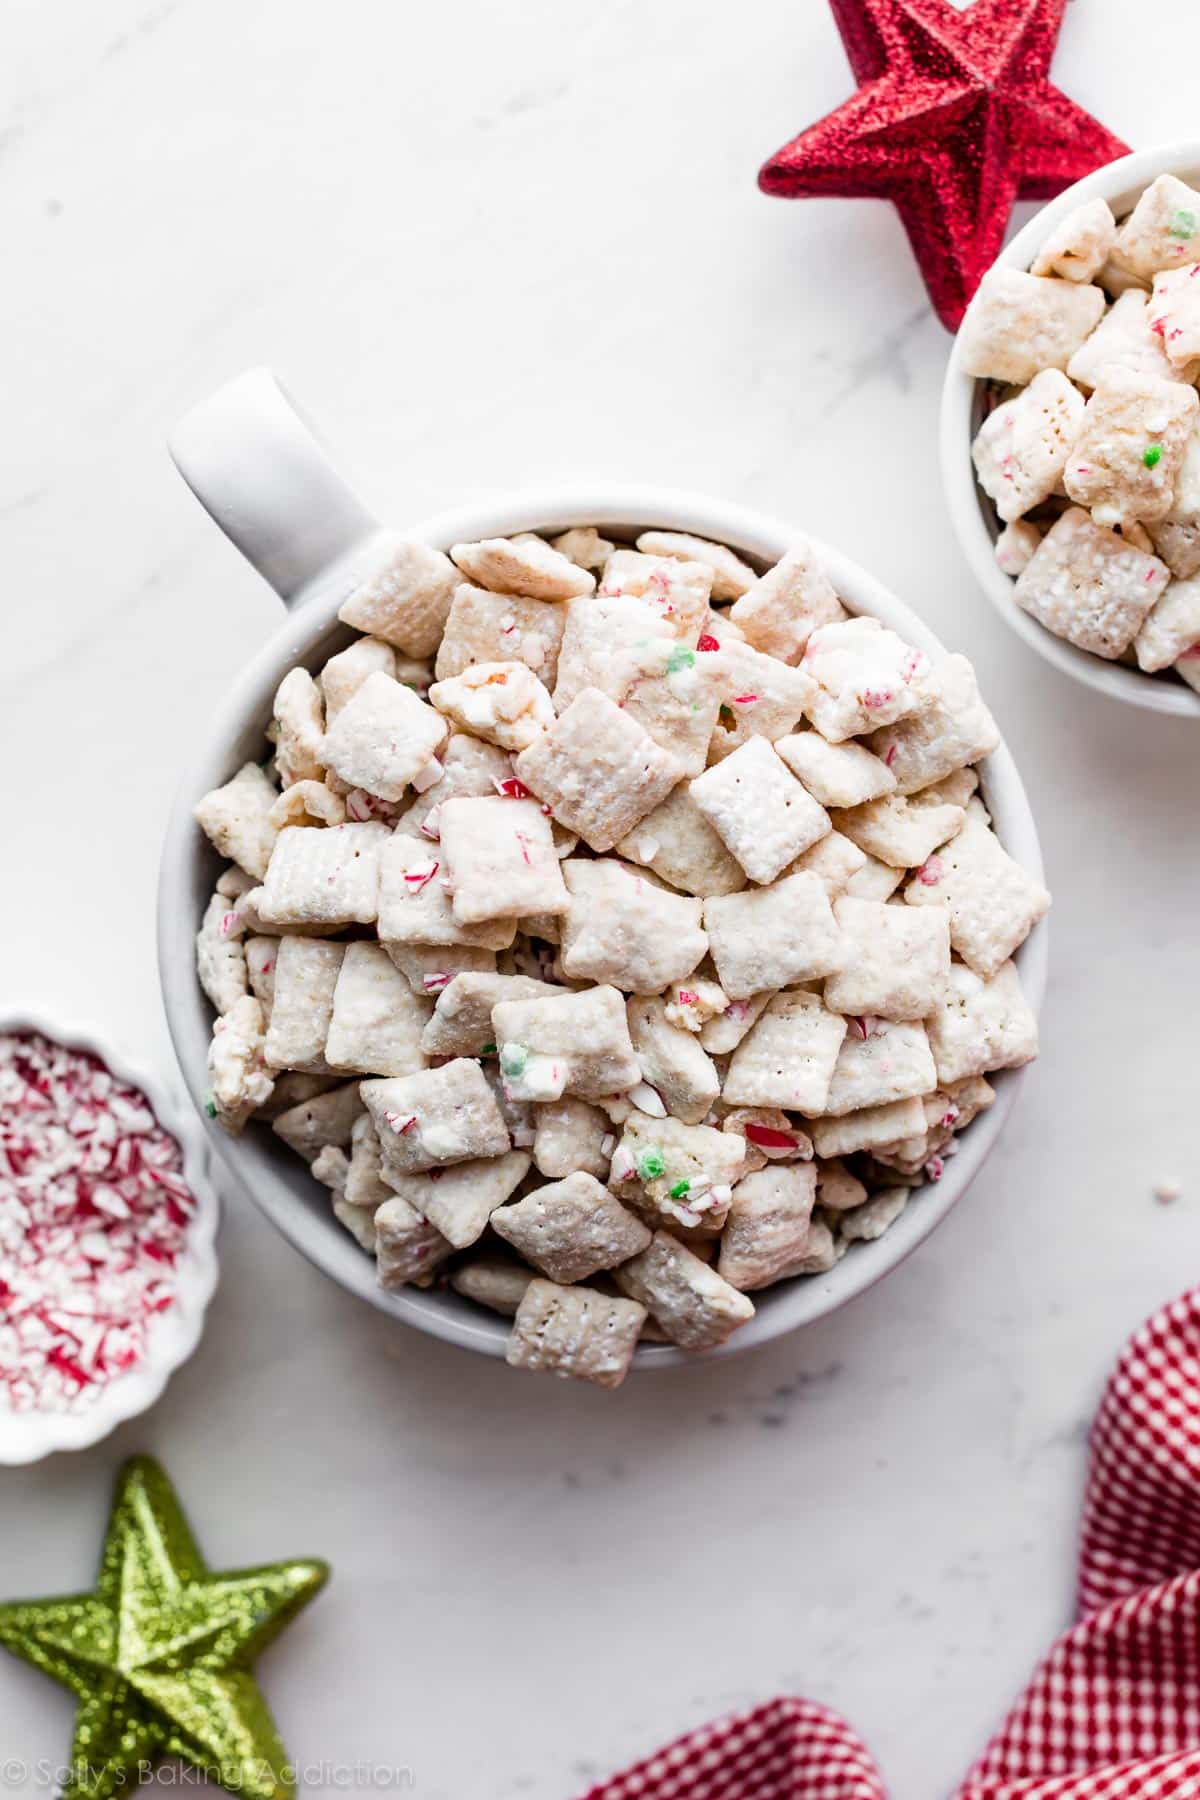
column 1118, row 182
column 639, row 508
column 175, row 1334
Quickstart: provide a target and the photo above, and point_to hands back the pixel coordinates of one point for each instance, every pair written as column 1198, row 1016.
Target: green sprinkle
column 650, row 1164
column 488, row 1050
column 679, row 1191
column 210, row 1106
column 513, row 1058
column 680, row 659
column 1183, row 225
column 1153, row 456
column 726, row 712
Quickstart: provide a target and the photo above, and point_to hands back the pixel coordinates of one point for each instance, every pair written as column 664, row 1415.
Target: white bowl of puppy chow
column 1071, row 431
column 618, row 921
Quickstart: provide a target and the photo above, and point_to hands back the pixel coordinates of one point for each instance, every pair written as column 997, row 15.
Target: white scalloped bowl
column 27, row 1437
column 972, row 514
column 263, row 478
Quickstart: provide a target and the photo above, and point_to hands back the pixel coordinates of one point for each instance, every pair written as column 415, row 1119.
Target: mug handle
column 260, row 473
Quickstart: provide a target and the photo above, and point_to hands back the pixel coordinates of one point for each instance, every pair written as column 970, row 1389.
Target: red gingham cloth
column 1113, row 1713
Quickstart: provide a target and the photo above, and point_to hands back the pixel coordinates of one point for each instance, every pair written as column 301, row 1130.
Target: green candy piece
column 1153, row 456
column 650, row 1164
column 1183, row 225
column 210, row 1106
column 680, row 659
column 679, row 1191
column 488, row 1050
column 513, row 1058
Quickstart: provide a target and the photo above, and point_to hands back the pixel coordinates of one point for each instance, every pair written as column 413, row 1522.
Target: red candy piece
column 767, row 1138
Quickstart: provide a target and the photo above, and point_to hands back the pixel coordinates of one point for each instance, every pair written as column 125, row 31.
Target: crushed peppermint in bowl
column 106, row 1240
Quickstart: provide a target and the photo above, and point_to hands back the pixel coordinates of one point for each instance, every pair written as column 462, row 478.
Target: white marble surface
column 488, row 245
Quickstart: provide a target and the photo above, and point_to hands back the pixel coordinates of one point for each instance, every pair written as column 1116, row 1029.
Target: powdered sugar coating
column 783, row 608
column 1175, row 314
column 993, row 903
column 502, row 702
column 527, row 566
column 1019, row 324
column 1022, row 447
column 1089, row 585
column 1163, row 230
column 1079, row 248
column 1122, row 340
column 1127, row 454
column 763, row 815
column 483, row 627
column 865, row 677
column 1172, row 627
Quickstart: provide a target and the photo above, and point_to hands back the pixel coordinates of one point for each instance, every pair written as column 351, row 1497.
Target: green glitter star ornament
column 159, row 1653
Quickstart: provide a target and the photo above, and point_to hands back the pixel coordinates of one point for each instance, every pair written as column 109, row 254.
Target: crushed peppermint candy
column 768, row 1138
column 419, row 878
column 94, row 1215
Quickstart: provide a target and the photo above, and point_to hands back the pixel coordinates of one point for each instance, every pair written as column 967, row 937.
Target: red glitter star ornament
column 955, row 118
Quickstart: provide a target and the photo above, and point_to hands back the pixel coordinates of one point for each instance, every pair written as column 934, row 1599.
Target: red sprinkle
column 94, row 1214
column 744, row 699
column 686, row 997
column 708, row 642
column 931, row 871
column 512, row 789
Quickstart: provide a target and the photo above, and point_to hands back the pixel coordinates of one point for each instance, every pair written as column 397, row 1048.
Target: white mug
column 260, row 473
